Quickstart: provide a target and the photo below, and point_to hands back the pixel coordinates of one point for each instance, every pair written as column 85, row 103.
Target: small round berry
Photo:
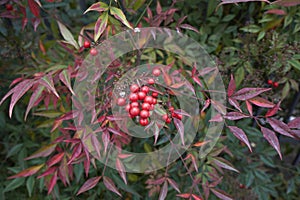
column 165, row 117
column 9, row 7
column 133, row 97
column 154, row 94
column 270, row 82
column 121, row 101
column 168, row 121
column 127, row 107
column 145, row 89
column 146, row 106
column 144, row 122
column 144, row 114
column 275, row 84
column 134, row 88
column 134, row 104
column 86, row 44
column 135, row 111
column 148, row 99
column 141, row 95
column 171, row 109
column 178, row 116
column 156, row 72
column 154, row 101
column 151, row 81
column 151, row 107
column 93, row 52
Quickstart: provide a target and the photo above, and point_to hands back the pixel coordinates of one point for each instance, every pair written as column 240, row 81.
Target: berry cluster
column 274, row 84
column 141, row 102
column 93, row 51
column 168, row 117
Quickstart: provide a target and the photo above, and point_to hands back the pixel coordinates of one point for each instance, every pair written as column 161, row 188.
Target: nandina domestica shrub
column 136, row 111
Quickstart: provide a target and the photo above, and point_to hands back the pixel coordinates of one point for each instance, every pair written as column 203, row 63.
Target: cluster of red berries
column 274, row 84
column 93, row 51
column 168, row 117
column 141, row 102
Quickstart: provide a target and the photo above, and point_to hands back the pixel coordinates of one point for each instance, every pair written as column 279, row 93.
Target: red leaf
column 221, row 194
column 280, row 127
column 272, row 139
column 295, row 123
column 121, row 169
column 182, row 112
column 49, row 171
column 197, row 80
column 217, row 118
column 276, row 12
column 43, row 152
column 248, row 93
column 158, row 8
column 109, row 184
column 261, row 102
column 240, row 134
column 193, row 161
column 114, row 131
column 89, row 184
column 180, row 127
column 55, row 159
column 189, row 27
column 221, row 162
column 100, row 7
column 173, row 184
column 196, row 197
column 52, row 183
column 273, row 110
column 287, row 3
column 249, row 107
column 47, row 81
column 96, row 144
column 64, row 76
column 34, row 97
column 164, row 191
column 234, row 103
column 231, row 86
column 206, row 104
column 15, row 81
column 184, row 195
column 34, row 8
column 235, row 116
column 27, row 172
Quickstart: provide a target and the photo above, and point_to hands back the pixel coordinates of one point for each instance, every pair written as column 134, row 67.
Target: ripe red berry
column 148, row 99
column 154, row 94
column 134, row 88
column 168, row 121
column 86, row 44
column 270, row 82
column 127, row 107
column 135, row 111
column 171, row 109
column 145, row 89
column 121, row 101
column 178, row 116
column 141, row 95
column 151, row 81
column 156, row 72
column 154, row 101
column 134, row 104
column 93, row 52
column 146, row 106
column 151, row 107
column 133, row 97
column 144, row 122
column 144, row 114
column 165, row 117
column 276, row 84
column 9, row 7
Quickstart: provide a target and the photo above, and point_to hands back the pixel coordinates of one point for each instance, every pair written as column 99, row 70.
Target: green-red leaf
column 99, row 7
column 89, row 184
column 248, row 93
column 43, row 152
column 221, row 194
column 47, row 81
column 64, row 76
column 221, row 162
column 34, row 97
column 67, row 35
column 240, row 134
column 100, row 25
column 109, row 184
column 27, row 172
column 120, row 16
column 272, row 139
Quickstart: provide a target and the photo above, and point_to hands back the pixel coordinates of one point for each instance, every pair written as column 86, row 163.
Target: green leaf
column 295, row 64
column 285, row 90
column 261, row 35
column 14, row 184
column 120, row 16
column 67, row 35
column 29, row 185
column 14, row 150
column 239, row 76
column 251, row 28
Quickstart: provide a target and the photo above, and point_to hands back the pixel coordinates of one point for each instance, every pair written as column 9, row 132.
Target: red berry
column 9, row 7
column 93, row 52
column 148, row 99
column 151, row 81
column 154, row 94
column 178, row 116
column 133, row 97
column 276, row 84
column 134, row 111
column 168, row 121
column 86, row 44
column 121, row 101
column 154, row 101
column 145, row 89
column 171, row 109
column 165, row 117
column 144, row 114
column 144, row 122
column 156, row 72
column 270, row 82
column 146, row 106
column 134, row 104
column 134, row 88
column 127, row 107
column 141, row 95
column 151, row 107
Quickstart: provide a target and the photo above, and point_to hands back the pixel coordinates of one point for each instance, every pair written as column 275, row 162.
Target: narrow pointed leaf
column 231, row 86
column 121, row 169
column 295, row 123
column 27, row 172
column 272, row 139
column 34, row 97
column 184, row 195
column 109, row 184
column 221, row 194
column 117, row 13
column 287, row 3
column 280, row 127
column 99, row 7
column 221, row 162
column 49, row 171
column 249, row 107
column 43, row 152
column 34, row 8
column 240, row 134
column 189, row 27
column 234, row 103
column 261, row 102
column 164, row 191
column 196, row 197
column 248, row 93
column 89, row 184
column 67, row 35
column 55, row 159
column 64, row 76
column 180, row 127
column 173, row 184
column 47, row 81
column 100, row 26
column 52, row 183
column 273, row 110
column 235, row 116
column 219, row 107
